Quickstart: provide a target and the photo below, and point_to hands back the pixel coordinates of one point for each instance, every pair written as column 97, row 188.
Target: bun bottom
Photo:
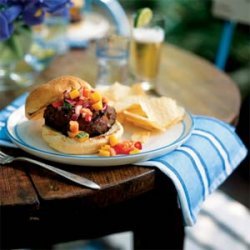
column 64, row 144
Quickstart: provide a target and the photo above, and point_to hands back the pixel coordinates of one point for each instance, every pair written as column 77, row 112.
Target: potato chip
column 137, row 109
column 126, row 103
column 118, row 92
column 135, row 106
column 136, row 133
column 136, row 89
column 162, row 110
column 141, row 121
column 114, row 92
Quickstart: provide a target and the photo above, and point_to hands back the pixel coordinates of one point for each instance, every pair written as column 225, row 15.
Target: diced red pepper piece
column 124, row 147
column 138, row 145
column 80, row 102
column 57, row 104
column 86, row 92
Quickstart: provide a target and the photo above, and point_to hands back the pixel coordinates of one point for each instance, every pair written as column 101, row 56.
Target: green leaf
column 67, row 105
column 17, row 45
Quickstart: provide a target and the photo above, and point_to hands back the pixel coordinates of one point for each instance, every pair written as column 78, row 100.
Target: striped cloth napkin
column 4, row 114
column 201, row 164
column 196, row 168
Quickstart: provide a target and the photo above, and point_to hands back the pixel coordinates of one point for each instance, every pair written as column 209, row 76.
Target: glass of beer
column 146, row 52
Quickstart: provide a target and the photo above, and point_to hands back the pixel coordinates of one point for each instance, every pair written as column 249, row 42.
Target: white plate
column 27, row 135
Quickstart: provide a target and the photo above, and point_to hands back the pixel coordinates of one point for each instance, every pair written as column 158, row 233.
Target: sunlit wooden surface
column 192, row 81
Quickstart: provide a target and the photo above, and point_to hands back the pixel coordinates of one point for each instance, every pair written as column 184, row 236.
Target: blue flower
column 30, row 12
column 55, row 5
column 33, row 13
column 7, row 17
column 3, row 1
column 6, row 28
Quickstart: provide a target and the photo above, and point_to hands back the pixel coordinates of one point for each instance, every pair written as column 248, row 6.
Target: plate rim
column 18, row 141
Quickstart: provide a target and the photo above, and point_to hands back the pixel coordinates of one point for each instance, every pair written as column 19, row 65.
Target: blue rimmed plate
column 27, row 135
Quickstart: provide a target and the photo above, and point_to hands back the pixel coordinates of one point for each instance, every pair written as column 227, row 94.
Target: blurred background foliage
column 191, row 25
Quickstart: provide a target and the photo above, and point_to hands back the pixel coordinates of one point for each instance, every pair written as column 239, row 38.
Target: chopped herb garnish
column 82, row 135
column 67, row 106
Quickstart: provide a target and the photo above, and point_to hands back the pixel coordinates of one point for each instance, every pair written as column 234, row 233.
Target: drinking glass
column 146, row 52
column 112, row 57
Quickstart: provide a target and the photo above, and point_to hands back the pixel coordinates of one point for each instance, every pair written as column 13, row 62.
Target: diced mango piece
column 73, row 126
column 72, row 134
column 97, row 106
column 105, row 147
column 74, row 94
column 134, row 151
column 103, row 152
column 113, row 140
column 95, row 97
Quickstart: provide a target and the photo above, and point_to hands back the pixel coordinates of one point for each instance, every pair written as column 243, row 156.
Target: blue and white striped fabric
column 201, row 164
column 196, row 168
column 4, row 114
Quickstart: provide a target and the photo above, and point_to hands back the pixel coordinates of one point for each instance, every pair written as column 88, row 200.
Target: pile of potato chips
column 147, row 113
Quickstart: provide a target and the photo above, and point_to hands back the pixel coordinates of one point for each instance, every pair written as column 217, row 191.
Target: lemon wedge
column 143, row 17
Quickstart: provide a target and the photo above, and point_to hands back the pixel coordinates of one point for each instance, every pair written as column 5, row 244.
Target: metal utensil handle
column 73, row 177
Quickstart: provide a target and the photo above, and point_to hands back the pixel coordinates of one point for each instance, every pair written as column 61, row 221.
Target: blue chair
column 232, row 12
column 224, row 46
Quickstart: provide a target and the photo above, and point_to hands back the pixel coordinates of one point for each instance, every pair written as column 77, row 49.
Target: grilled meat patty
column 101, row 122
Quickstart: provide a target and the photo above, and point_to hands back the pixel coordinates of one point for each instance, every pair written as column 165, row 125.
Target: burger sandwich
column 78, row 119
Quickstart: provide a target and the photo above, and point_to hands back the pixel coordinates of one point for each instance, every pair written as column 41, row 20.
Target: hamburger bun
column 53, row 91
column 64, row 144
column 50, row 92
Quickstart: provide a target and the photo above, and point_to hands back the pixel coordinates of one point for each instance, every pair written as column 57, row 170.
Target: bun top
column 47, row 93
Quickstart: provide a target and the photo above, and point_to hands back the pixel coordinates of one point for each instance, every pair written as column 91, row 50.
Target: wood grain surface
column 16, row 187
column 35, row 202
column 192, row 81
column 128, row 181
column 197, row 85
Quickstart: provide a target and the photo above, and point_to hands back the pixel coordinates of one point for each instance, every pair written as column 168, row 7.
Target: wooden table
column 39, row 208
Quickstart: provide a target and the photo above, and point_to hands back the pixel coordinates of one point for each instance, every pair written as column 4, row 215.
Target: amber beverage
column 145, row 54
